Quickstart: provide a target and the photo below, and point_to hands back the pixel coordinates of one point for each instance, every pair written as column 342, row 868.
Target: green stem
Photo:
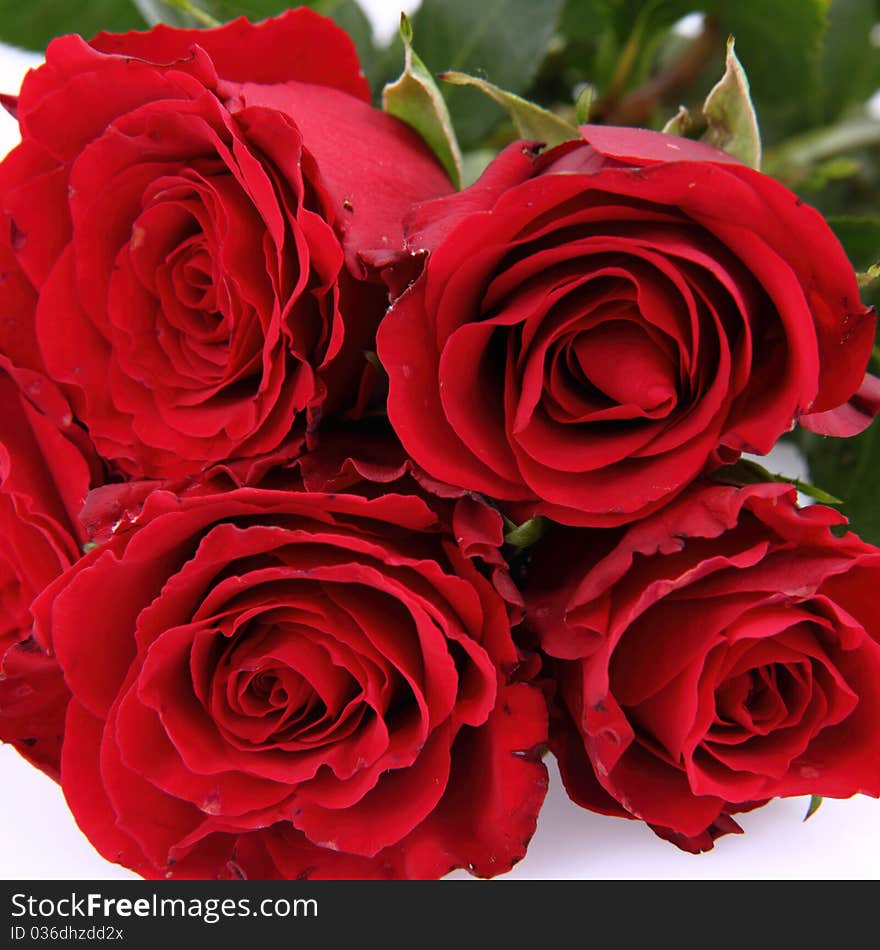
column 749, row 472
column 199, row 15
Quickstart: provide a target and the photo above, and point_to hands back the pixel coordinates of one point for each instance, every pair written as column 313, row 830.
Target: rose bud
column 718, row 654
column 597, row 325
column 297, row 685
column 190, row 206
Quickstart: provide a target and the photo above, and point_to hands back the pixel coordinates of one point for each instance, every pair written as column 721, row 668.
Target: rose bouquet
column 334, row 494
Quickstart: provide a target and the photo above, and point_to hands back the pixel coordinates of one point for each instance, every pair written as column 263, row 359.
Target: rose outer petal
column 296, row 45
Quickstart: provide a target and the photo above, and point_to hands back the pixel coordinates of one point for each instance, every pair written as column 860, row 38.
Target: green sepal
column 730, row 113
column 531, row 120
column 415, row 99
column 526, row 534
column 748, row 472
column 679, row 123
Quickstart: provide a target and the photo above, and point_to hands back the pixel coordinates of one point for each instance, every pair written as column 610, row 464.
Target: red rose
column 46, row 468
column 597, row 324
column 296, row 685
column 718, row 654
column 190, row 206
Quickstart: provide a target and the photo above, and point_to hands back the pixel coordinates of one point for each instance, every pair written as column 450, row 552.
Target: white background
column 39, row 839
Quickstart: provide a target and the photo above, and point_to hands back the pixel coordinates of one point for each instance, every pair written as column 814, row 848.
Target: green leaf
column 779, row 45
column 815, row 802
column 860, row 237
column 591, row 45
column 612, row 43
column 526, row 534
column 32, row 24
column 415, row 99
column 803, row 156
column 256, row 9
column 849, row 64
column 531, row 120
column 582, row 19
column 730, row 114
column 504, row 41
column 849, row 468
column 748, row 472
